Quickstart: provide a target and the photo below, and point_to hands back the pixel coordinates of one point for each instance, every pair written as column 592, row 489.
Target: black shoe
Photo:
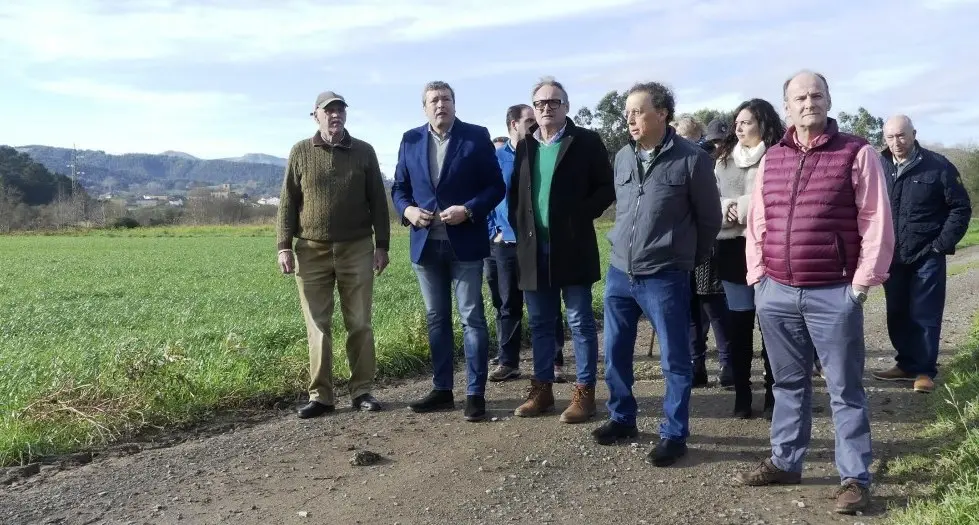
column 366, row 402
column 700, row 379
column 666, row 453
column 314, row 409
column 435, row 400
column 475, row 408
column 726, row 378
column 742, row 403
column 612, row 431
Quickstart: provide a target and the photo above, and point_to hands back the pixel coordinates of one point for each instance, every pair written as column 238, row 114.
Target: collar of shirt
column 443, row 137
column 342, row 142
column 557, row 136
column 510, row 146
column 911, row 156
column 802, row 147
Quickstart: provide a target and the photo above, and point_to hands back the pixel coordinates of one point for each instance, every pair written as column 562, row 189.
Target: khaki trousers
column 347, row 266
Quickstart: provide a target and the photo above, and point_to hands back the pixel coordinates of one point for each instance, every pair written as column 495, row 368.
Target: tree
column 969, row 171
column 608, row 120
column 706, row 115
column 863, row 124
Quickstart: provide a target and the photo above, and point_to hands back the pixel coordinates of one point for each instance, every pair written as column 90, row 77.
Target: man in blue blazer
column 445, row 185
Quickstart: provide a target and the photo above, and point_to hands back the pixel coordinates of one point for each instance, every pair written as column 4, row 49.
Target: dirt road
column 440, row 469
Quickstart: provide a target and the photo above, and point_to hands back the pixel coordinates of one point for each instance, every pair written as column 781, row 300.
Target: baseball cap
column 716, row 130
column 326, row 98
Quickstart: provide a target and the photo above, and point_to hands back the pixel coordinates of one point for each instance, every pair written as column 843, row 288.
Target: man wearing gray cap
column 333, row 204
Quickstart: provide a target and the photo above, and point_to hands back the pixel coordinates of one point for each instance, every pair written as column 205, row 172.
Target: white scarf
column 747, row 157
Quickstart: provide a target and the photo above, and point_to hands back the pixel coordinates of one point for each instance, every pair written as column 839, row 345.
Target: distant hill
column 32, row 183
column 169, row 172
column 171, row 153
column 259, row 158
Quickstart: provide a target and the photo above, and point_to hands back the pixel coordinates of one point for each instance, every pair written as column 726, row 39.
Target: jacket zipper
column 635, row 219
column 788, row 224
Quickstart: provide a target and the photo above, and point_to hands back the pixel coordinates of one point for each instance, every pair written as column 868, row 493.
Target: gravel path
column 272, row 468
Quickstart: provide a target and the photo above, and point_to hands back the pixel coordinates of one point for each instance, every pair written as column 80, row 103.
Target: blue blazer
column 470, row 177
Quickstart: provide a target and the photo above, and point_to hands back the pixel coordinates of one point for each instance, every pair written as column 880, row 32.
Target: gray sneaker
column 504, row 373
column 559, row 374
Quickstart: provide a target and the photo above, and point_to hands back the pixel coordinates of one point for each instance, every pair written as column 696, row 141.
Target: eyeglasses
column 552, row 103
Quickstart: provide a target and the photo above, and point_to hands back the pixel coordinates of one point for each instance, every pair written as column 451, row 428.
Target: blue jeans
column 500, row 269
column 797, row 324
column 439, row 273
column 664, row 298
column 543, row 306
column 915, row 296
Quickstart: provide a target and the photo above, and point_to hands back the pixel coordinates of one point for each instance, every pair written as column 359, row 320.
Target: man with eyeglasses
column 666, row 220
column 332, row 202
column 562, row 182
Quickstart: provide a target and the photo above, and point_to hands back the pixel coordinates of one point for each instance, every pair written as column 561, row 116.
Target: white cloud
column 122, row 94
column 98, row 30
column 869, row 81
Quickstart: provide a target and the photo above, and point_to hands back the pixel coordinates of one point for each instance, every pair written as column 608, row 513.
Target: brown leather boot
column 582, row 406
column 540, row 399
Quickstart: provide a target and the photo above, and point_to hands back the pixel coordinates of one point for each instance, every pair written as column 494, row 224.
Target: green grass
column 101, row 336
column 953, row 495
column 108, row 332
column 971, row 236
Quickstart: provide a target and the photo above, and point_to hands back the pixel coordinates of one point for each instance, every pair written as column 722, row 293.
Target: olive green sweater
column 333, row 193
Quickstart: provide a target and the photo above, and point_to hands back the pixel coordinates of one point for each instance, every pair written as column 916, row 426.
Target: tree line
column 34, row 198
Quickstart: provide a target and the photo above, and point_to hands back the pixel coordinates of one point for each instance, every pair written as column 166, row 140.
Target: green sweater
column 333, row 193
column 544, row 166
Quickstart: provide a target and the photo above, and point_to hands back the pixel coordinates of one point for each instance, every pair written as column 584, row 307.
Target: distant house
column 269, row 201
column 178, row 202
column 222, row 191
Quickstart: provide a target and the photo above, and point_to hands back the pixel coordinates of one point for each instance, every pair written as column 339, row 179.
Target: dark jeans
column 664, row 298
column 706, row 312
column 501, row 277
column 915, row 304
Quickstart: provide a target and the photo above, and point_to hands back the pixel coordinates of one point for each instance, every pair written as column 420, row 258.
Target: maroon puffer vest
column 811, row 235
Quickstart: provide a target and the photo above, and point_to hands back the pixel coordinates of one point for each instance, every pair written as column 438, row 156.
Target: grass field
column 107, row 332
column 952, row 463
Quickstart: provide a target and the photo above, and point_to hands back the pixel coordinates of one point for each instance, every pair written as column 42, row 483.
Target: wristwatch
column 861, row 297
column 469, row 213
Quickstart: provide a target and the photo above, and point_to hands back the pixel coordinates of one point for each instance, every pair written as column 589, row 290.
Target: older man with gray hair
column 562, row 182
column 931, row 212
column 333, row 208
column 819, row 235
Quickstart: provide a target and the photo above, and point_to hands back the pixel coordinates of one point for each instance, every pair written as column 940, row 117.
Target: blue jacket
column 499, row 218
column 470, row 177
column 929, row 205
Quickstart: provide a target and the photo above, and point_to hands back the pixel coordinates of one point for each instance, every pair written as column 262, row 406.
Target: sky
column 221, row 78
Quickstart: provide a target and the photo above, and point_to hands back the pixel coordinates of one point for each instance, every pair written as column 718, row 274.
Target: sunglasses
column 552, row 103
